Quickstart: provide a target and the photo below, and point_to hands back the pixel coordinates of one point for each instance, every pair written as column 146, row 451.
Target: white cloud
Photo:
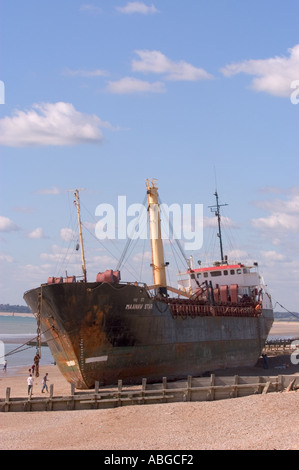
column 53, row 190
column 58, row 254
column 277, row 221
column 50, row 124
column 85, row 73
column 33, row 274
column 137, row 7
column 289, row 206
column 271, row 190
column 7, row 225
column 213, row 222
column 129, row 85
column 284, row 215
column 156, row 62
column 273, row 75
column 273, row 256
column 67, row 234
column 6, row 258
column 91, row 8
column 36, row 233
column 100, row 263
column 237, row 255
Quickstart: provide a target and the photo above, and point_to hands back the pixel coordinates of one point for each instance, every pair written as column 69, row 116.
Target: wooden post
column 50, row 403
column 290, row 386
column 211, row 393
column 189, row 388
column 71, row 403
column 267, row 386
column 236, row 383
column 28, row 406
column 260, row 388
column 144, row 384
column 7, row 399
column 234, row 392
column 143, row 390
column 279, row 383
column 119, row 387
column 96, row 387
column 164, row 388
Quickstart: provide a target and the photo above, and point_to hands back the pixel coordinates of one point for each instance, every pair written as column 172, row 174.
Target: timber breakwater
column 192, row 389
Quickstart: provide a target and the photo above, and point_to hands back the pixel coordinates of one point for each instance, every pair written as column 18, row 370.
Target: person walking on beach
column 265, row 361
column 30, row 383
column 5, row 365
column 45, row 380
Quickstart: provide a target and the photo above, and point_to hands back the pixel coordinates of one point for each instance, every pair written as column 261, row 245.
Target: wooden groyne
column 280, row 345
column 192, row 389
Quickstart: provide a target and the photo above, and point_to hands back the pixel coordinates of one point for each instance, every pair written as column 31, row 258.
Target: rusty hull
column 105, row 332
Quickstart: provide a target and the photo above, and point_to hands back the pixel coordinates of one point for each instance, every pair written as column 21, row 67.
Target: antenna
column 77, row 204
column 216, row 209
column 215, row 176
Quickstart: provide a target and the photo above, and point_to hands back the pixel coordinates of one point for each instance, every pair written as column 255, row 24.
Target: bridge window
column 239, row 271
column 232, row 271
column 225, row 272
column 216, row 273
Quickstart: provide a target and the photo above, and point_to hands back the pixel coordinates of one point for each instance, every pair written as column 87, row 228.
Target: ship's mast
column 216, row 209
column 77, row 204
column 158, row 264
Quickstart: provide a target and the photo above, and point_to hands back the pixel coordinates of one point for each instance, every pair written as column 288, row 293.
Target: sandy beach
column 257, row 422
column 16, row 314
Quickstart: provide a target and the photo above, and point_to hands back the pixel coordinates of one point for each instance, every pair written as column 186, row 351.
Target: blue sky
column 103, row 94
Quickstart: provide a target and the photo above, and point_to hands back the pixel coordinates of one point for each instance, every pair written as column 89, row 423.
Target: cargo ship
column 218, row 316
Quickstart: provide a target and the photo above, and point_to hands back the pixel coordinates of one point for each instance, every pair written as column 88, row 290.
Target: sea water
column 15, row 331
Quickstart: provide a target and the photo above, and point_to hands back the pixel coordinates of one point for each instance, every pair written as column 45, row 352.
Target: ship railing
column 134, row 283
column 79, row 279
column 185, row 308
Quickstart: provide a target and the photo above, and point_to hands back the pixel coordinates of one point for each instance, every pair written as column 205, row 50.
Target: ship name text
column 139, row 306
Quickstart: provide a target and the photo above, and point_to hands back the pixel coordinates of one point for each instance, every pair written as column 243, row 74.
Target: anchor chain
column 38, row 354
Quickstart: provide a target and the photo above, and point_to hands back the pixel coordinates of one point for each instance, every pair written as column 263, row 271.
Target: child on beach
column 30, row 383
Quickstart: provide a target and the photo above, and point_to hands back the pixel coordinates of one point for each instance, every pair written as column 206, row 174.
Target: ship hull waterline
column 105, row 332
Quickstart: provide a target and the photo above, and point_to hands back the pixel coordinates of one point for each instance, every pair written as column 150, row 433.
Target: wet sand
column 256, row 422
column 285, row 328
